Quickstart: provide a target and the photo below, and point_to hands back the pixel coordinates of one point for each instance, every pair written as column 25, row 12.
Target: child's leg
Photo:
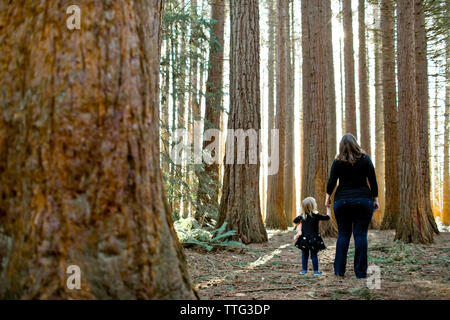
column 315, row 261
column 305, row 256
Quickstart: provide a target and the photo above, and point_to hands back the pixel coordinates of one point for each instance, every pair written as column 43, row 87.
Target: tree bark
column 423, row 109
column 379, row 121
column 271, row 87
column 276, row 217
column 240, row 206
column 329, row 84
column 349, row 66
column 79, row 163
column 165, row 109
column 315, row 155
column 446, row 184
column 364, row 110
column 413, row 225
column 391, row 133
column 289, row 178
column 213, row 103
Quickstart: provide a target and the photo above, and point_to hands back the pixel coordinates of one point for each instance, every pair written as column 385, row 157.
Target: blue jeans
column 314, row 259
column 352, row 215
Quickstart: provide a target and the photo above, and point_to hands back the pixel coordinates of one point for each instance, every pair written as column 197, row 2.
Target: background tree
column 271, row 87
column 391, row 134
column 79, row 161
column 276, row 217
column 329, row 83
column 349, row 67
column 446, row 184
column 379, row 119
column 239, row 205
column 289, row 172
column 423, row 108
column 413, row 225
column 364, row 110
column 209, row 187
column 315, row 155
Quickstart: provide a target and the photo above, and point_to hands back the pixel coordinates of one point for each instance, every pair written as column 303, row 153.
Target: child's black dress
column 310, row 238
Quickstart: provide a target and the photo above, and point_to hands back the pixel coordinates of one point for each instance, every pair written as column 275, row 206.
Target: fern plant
column 189, row 234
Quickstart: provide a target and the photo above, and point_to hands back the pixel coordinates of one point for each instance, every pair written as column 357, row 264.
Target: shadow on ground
column 271, row 271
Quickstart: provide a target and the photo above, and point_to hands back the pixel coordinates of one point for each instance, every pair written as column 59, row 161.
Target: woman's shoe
column 317, row 273
column 304, row 272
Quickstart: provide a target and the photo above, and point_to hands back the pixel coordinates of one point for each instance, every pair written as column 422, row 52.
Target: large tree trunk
column 240, row 206
column 379, row 120
column 79, row 162
column 315, row 156
column 289, row 172
column 391, row 134
column 364, row 110
column 214, row 101
column 349, row 66
column 423, row 111
column 276, row 218
column 413, row 225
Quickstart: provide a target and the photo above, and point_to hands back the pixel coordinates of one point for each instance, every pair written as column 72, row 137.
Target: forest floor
column 271, row 271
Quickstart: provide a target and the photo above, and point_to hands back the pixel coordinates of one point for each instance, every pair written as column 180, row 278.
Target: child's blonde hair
column 309, row 206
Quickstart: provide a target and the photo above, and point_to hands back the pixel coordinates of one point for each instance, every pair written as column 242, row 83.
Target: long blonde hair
column 309, row 206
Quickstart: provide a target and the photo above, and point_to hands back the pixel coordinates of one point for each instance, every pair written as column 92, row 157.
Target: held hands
column 376, row 204
column 328, row 202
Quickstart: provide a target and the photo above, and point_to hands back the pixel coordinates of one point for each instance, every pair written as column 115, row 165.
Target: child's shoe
column 317, row 273
column 304, row 272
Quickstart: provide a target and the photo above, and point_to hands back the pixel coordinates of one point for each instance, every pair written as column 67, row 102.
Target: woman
column 354, row 202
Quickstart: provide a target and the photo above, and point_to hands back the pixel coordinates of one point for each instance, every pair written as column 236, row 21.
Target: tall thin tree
column 271, row 87
column 289, row 172
column 240, row 205
column 349, row 67
column 422, row 101
column 446, row 184
column 329, row 83
column 391, row 134
column 364, row 111
column 379, row 117
column 276, row 217
column 209, row 182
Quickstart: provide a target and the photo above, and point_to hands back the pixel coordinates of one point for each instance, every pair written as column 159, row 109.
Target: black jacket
column 353, row 179
column 310, row 225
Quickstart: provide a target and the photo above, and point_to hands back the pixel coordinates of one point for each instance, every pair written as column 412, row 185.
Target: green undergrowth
column 191, row 234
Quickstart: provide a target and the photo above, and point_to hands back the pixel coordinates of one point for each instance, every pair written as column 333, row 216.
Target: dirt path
column 271, row 271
